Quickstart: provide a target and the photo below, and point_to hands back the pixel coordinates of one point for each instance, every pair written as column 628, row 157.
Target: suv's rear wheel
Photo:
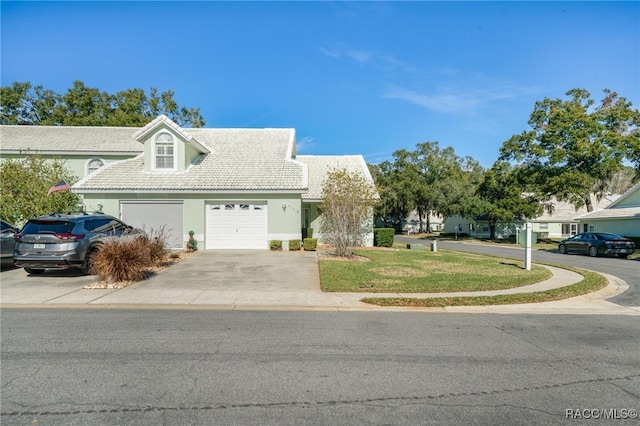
column 87, row 268
column 33, row 271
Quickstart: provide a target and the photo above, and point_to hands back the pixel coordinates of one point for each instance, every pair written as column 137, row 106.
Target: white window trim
column 86, row 164
column 154, row 151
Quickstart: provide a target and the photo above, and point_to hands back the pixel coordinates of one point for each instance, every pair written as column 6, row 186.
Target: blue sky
column 351, row 77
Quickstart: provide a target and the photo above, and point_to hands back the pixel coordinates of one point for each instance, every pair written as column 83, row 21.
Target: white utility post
column 527, row 247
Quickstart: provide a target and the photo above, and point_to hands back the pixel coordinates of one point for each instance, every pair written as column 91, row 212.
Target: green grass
column 591, row 282
column 413, row 271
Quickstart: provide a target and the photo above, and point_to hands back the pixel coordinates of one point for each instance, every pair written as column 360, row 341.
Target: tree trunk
column 428, row 221
column 420, row 214
column 587, row 203
column 492, row 230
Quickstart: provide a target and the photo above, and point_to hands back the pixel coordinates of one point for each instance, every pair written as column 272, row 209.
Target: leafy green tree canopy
column 430, row 180
column 574, row 145
column 24, row 184
column 22, row 103
column 503, row 197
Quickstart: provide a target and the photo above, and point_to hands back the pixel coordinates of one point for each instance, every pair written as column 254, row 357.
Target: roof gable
column 162, row 121
column 320, row 165
column 631, row 198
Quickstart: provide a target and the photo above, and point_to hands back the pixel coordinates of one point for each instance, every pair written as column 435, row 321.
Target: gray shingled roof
column 69, row 139
column 615, row 213
column 320, row 165
column 239, row 160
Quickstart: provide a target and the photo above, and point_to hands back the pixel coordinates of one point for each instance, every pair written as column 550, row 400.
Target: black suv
column 66, row 241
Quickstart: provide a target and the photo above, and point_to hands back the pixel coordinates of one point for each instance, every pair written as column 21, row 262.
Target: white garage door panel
column 236, row 226
column 152, row 217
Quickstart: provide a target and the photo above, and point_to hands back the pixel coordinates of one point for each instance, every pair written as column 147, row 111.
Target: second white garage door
column 236, row 226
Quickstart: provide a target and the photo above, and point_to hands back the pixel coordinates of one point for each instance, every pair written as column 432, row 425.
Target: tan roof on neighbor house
column 68, row 139
column 565, row 211
column 619, row 213
column 320, row 165
column 241, row 160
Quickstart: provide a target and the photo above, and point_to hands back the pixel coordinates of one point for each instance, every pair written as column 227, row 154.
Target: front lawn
column 414, row 271
column 591, row 282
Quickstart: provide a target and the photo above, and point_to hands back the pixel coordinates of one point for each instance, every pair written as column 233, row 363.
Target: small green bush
column 294, row 245
column 383, row 237
column 275, row 244
column 307, row 233
column 120, row 260
column 310, row 244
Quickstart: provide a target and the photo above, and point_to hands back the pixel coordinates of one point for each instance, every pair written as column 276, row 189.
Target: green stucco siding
column 283, row 221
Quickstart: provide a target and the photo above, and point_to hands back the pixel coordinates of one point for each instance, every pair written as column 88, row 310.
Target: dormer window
column 93, row 164
column 164, row 150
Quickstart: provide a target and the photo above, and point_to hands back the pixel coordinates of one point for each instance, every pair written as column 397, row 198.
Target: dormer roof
column 163, row 121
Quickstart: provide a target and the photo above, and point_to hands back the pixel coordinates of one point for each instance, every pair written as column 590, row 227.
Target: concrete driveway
column 219, row 277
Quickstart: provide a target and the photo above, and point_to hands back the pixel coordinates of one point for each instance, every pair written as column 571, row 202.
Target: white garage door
column 236, row 226
column 154, row 216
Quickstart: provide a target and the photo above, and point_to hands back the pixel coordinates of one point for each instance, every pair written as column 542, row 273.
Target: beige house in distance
column 560, row 223
column 621, row 217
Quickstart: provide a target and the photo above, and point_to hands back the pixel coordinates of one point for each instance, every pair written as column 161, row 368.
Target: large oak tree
column 574, row 145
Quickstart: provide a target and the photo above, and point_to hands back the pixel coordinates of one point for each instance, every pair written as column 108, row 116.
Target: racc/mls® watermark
column 601, row 413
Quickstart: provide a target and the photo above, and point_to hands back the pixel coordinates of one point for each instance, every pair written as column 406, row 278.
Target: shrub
column 294, row 245
column 348, row 199
column 156, row 242
column 310, row 244
column 275, row 244
column 120, row 260
column 383, row 237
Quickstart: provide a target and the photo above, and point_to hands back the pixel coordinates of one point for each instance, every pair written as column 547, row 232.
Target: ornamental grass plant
column 119, row 260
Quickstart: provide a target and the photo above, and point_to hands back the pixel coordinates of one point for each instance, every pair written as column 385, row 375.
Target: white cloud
column 334, row 53
column 450, row 100
column 440, row 102
column 373, row 58
column 304, row 143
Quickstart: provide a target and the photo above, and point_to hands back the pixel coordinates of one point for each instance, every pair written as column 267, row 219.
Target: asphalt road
column 148, row 367
column 628, row 270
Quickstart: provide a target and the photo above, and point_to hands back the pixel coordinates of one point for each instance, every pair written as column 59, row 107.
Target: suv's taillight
column 18, row 236
column 69, row 236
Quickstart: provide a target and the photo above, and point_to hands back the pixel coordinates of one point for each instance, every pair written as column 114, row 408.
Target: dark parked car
column 66, row 241
column 597, row 243
column 8, row 230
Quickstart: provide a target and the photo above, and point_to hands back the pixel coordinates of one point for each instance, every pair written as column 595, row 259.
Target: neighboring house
column 413, row 225
column 85, row 149
column 620, row 217
column 561, row 222
column 234, row 188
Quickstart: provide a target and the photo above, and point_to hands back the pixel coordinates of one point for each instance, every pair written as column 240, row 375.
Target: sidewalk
column 263, row 280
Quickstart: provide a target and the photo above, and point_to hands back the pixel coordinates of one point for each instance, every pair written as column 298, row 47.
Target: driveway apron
column 228, row 277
